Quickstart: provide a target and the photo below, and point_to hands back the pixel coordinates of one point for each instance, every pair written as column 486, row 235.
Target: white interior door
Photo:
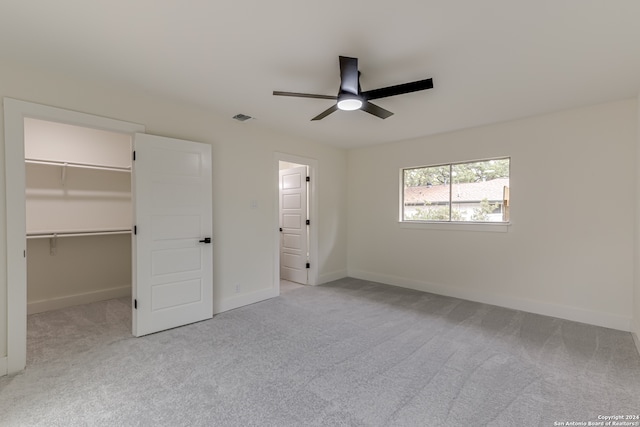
column 293, row 223
column 172, row 269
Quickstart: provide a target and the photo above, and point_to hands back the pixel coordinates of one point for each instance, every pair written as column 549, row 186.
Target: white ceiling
column 490, row 60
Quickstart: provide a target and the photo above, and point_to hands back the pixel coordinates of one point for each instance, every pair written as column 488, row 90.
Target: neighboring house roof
column 467, row 192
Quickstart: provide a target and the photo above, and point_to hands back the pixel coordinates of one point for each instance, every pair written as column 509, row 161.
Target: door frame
column 14, row 113
column 312, row 213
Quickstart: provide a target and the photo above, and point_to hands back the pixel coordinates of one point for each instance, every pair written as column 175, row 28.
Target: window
column 475, row 191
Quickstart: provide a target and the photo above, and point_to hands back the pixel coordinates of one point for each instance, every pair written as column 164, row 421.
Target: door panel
column 173, row 281
column 291, row 241
column 173, row 261
column 170, row 194
column 291, row 201
column 292, row 221
column 167, row 227
column 293, row 216
column 176, row 294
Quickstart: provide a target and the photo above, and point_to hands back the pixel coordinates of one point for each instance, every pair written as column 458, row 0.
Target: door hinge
column 308, row 222
column 135, row 229
column 24, row 253
column 134, row 156
column 308, row 265
column 135, row 304
column 308, row 178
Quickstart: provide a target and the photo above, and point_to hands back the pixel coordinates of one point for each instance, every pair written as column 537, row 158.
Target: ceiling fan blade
column 375, row 110
column 398, row 89
column 325, row 113
column 349, row 75
column 304, row 95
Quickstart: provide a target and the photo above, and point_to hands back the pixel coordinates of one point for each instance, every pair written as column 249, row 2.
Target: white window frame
column 490, row 226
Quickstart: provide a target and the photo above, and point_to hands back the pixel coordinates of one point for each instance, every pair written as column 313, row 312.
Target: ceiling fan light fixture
column 349, row 102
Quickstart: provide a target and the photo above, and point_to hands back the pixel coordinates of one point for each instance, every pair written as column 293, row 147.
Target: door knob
column 206, row 240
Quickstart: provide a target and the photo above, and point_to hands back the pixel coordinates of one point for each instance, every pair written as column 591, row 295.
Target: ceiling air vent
column 241, row 117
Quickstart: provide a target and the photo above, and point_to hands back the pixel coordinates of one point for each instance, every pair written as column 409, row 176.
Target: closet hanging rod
column 76, row 234
column 78, row 165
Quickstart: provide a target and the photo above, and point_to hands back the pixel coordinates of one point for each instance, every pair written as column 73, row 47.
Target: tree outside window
column 475, row 191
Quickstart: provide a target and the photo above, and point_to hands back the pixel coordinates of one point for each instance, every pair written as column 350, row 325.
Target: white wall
column 87, row 200
column 61, row 142
column 636, row 296
column 243, row 170
column 84, row 269
column 556, row 258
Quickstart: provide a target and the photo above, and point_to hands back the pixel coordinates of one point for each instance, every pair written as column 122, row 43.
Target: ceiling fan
column 351, row 97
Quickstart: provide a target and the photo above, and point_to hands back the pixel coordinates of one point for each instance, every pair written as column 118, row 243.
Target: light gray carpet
column 350, row 353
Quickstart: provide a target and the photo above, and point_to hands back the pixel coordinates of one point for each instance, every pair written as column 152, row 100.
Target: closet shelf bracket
column 63, row 174
column 53, row 244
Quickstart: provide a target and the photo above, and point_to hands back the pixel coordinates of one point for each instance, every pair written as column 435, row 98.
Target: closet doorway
column 78, row 214
column 171, row 200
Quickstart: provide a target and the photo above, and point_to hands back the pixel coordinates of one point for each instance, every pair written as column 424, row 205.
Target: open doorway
column 296, row 261
column 15, row 112
column 293, row 203
column 78, row 236
column 78, row 214
column 163, row 176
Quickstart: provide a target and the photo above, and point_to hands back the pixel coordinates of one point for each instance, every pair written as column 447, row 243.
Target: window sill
column 491, row 227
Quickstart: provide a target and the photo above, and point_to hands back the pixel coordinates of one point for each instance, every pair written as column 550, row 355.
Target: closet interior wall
column 78, row 204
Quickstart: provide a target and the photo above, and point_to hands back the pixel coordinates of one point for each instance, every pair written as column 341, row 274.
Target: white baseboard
column 635, row 332
column 77, row 299
column 241, row 300
column 330, row 277
column 4, row 366
column 538, row 307
column 637, row 341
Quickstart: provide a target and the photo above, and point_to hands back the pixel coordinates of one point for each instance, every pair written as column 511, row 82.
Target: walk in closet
column 78, row 214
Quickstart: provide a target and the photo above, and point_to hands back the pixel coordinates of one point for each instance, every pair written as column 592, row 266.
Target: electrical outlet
column 237, row 288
